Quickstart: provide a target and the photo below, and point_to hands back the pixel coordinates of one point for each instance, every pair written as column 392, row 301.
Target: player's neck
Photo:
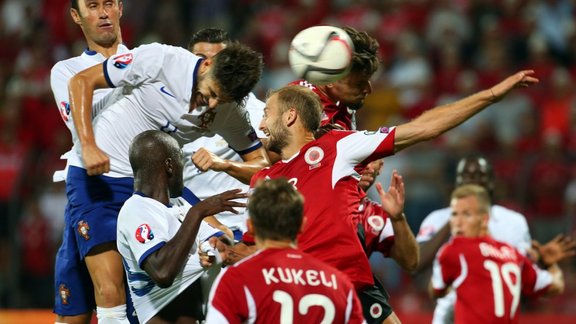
column 106, row 51
column 274, row 244
column 298, row 142
column 154, row 191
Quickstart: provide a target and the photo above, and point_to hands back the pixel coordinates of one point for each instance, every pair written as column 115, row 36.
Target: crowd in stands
column 433, row 51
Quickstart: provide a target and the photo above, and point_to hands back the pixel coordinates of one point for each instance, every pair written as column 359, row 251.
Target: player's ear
column 168, row 165
column 75, row 16
column 249, row 225
column 205, row 65
column 304, row 220
column 120, row 7
column 290, row 116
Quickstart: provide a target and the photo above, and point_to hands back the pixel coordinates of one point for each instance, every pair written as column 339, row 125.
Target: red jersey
column 334, row 112
column 488, row 277
column 378, row 231
column 283, row 286
column 326, row 173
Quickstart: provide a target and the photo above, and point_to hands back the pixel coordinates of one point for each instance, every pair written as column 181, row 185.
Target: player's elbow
column 412, row 265
column 163, row 279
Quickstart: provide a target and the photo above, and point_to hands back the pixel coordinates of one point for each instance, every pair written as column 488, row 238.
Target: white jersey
column 504, row 225
column 144, row 226
column 158, row 81
column 209, row 183
column 64, row 70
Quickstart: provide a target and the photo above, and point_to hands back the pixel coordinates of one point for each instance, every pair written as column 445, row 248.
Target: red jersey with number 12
column 326, row 173
column 283, row 286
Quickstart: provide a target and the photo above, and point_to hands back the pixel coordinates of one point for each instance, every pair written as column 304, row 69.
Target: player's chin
column 356, row 105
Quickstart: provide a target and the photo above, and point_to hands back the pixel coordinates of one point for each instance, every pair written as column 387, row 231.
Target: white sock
column 112, row 315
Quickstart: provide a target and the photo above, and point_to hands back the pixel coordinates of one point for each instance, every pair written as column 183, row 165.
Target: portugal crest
column 83, row 229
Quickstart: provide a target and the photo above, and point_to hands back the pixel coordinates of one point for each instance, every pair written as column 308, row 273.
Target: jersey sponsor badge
column 384, row 130
column 144, row 234
column 376, row 223
column 376, row 310
column 123, row 60
column 64, row 110
column 314, row 156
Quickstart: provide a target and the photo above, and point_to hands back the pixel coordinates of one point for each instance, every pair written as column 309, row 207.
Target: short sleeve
column 134, row 67
column 227, row 300
column 233, row 124
column 145, row 228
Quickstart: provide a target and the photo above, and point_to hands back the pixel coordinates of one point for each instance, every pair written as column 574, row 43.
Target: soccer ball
column 321, row 54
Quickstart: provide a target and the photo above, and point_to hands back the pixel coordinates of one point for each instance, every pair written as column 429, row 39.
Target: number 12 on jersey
column 287, row 306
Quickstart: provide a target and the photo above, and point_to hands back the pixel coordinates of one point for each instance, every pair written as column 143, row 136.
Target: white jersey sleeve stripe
column 349, row 305
column 215, row 317
column 543, row 279
column 252, row 313
column 387, row 231
column 358, row 147
column 463, row 272
column 437, row 279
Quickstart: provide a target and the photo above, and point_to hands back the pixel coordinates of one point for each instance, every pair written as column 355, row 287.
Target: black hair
column 236, row 69
column 209, row 35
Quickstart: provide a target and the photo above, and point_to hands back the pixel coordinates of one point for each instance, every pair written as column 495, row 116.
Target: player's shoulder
column 506, row 214
column 70, row 64
column 253, row 104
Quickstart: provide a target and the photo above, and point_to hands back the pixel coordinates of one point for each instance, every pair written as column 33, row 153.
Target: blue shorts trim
column 94, row 205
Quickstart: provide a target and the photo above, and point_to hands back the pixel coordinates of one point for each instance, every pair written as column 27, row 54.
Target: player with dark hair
column 326, row 171
column 474, row 264
column 211, row 164
column 342, row 98
column 279, row 283
column 157, row 241
column 208, row 37
column 88, row 270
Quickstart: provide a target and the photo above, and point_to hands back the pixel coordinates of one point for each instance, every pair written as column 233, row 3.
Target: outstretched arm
column 438, row 120
column 81, row 88
column 243, row 171
column 429, row 248
column 167, row 262
column 405, row 248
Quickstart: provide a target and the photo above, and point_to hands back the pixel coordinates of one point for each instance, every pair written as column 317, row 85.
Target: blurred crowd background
column 433, row 52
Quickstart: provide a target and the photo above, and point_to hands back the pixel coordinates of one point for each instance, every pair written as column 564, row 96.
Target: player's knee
column 110, row 294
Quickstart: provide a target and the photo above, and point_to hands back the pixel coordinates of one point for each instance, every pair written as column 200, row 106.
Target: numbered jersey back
column 488, row 277
column 283, row 286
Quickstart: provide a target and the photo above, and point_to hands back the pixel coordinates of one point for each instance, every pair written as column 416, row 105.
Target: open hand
column 521, row 79
column 393, row 200
column 221, row 202
column 556, row 250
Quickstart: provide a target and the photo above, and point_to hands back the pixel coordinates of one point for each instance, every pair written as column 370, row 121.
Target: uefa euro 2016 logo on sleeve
column 144, row 234
column 123, row 60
